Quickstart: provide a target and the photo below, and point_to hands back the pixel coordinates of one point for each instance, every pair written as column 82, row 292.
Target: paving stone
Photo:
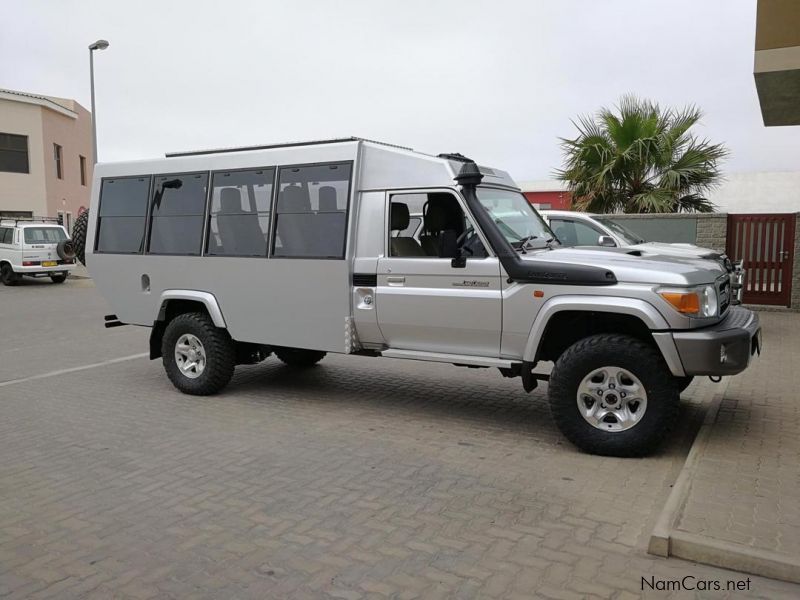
column 358, row 478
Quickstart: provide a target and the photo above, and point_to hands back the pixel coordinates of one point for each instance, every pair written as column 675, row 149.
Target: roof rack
column 284, row 145
column 16, row 220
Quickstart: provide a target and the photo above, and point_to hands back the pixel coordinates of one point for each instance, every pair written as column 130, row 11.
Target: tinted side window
column 587, row 235
column 311, row 211
column 240, row 210
column 574, row 233
column 176, row 214
column 121, row 219
column 5, row 238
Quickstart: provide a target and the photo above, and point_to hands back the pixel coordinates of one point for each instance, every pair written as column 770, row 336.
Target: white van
column 34, row 247
column 304, row 249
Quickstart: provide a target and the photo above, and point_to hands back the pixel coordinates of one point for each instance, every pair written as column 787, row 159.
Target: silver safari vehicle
column 303, row 249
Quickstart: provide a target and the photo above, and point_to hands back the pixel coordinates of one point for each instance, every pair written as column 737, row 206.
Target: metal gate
column 766, row 244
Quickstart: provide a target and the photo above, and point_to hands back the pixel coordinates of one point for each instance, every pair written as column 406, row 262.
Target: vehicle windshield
column 515, row 218
column 44, row 235
column 628, row 236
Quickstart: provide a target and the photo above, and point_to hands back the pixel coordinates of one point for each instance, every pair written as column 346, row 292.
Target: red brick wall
column 555, row 200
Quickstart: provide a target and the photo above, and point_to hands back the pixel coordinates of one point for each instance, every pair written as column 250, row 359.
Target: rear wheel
column 7, row 275
column 613, row 395
column 298, row 357
column 199, row 357
column 58, row 278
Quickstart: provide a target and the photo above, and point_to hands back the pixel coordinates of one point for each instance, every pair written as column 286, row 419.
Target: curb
column 666, row 540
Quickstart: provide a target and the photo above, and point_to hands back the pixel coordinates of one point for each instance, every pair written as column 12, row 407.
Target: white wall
column 759, row 192
column 24, row 191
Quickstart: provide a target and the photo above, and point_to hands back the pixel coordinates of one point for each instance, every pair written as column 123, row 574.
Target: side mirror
column 607, row 241
column 448, row 248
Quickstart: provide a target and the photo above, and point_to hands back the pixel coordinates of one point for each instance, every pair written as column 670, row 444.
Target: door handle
column 396, row 280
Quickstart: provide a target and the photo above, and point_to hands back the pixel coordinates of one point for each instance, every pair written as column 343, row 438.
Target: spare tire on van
column 79, row 236
column 65, row 249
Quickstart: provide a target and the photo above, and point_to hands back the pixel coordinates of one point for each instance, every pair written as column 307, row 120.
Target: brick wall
column 712, row 230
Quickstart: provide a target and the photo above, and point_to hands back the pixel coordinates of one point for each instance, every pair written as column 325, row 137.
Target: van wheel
column 7, row 275
column 198, row 357
column 613, row 395
column 297, row 357
column 79, row 228
column 59, row 278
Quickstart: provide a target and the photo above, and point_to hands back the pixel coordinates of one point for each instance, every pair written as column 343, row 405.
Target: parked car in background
column 36, row 247
column 587, row 229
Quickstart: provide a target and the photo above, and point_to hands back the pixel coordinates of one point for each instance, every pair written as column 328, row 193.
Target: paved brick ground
column 746, row 489
column 360, row 478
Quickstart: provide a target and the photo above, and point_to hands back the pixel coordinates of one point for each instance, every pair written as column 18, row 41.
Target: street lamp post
column 98, row 45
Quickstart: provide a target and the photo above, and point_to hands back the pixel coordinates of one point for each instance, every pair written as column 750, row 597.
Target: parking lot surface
column 358, row 478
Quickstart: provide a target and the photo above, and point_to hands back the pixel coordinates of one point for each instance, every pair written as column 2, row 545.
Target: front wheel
column 199, row 358
column 613, row 395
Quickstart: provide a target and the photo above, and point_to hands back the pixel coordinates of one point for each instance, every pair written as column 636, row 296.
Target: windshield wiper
column 524, row 242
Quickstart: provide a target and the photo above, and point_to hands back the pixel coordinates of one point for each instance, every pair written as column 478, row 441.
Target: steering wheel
column 462, row 240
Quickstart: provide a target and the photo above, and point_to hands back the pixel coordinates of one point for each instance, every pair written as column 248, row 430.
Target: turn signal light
column 30, row 263
column 687, row 303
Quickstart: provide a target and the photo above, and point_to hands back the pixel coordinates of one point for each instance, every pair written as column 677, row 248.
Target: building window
column 122, row 215
column 238, row 223
column 57, row 157
column 176, row 214
column 82, row 160
column 13, row 153
column 311, row 211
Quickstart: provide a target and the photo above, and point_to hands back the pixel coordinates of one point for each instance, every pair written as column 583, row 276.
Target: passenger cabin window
column 6, row 235
column 575, row 233
column 122, row 215
column 311, row 211
column 177, row 211
column 240, row 210
column 443, row 223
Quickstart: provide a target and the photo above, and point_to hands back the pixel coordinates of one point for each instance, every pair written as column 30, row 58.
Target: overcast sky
column 497, row 80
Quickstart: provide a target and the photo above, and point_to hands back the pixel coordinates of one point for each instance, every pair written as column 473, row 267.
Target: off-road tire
column 59, row 278
column 637, row 357
column 79, row 228
column 298, row 357
column 684, row 382
column 7, row 275
column 219, row 349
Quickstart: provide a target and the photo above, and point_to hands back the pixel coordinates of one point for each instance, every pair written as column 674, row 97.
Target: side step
column 457, row 359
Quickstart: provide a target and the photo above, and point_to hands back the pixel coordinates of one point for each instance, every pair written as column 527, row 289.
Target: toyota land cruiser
column 301, row 249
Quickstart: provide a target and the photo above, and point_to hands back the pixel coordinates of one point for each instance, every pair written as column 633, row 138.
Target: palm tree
column 643, row 159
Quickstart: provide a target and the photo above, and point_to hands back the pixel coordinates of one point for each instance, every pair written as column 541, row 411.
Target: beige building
column 45, row 156
column 777, row 61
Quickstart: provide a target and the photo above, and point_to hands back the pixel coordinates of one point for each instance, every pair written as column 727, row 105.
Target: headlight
column 693, row 302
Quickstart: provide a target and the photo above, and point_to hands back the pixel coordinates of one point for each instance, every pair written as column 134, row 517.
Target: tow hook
column 715, row 378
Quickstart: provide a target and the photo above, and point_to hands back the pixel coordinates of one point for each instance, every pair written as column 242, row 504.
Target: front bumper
column 722, row 349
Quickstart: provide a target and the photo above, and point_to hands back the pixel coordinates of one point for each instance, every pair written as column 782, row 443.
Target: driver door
column 428, row 302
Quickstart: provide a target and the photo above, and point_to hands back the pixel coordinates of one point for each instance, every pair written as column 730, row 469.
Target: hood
column 690, row 250
column 633, row 265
